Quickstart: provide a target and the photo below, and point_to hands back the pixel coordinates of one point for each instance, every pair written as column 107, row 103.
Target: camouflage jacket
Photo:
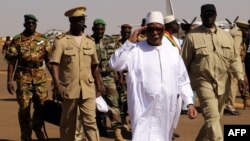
column 28, row 55
column 104, row 51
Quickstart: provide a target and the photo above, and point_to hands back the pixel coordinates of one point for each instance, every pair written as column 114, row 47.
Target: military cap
column 126, row 26
column 76, row 12
column 30, row 16
column 243, row 24
column 208, row 7
column 99, row 21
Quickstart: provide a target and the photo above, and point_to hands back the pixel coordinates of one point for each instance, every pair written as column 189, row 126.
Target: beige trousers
column 212, row 109
column 79, row 135
column 87, row 110
column 230, row 101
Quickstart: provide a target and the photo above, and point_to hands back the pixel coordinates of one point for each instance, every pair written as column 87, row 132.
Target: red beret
column 126, row 26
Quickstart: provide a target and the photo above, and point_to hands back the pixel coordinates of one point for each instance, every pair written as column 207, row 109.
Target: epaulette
column 59, row 36
column 90, row 37
column 17, row 37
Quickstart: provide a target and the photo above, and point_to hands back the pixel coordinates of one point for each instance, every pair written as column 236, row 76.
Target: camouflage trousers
column 26, row 94
column 122, row 100
column 111, row 97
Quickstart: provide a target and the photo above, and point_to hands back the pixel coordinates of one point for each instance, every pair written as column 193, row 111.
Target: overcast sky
column 50, row 13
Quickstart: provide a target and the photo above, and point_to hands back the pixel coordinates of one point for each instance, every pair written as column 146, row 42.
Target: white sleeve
column 118, row 60
column 184, row 86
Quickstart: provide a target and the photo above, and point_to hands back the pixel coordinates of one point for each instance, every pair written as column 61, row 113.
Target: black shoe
column 232, row 112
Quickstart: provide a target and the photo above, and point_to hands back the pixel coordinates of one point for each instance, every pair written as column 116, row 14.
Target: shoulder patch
column 91, row 38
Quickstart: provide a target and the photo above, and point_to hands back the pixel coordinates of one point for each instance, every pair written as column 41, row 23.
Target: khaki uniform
column 28, row 55
column 75, row 75
column 240, row 48
column 104, row 51
column 209, row 55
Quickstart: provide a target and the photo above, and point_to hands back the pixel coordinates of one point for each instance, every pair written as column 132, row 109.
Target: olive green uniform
column 210, row 57
column 28, row 55
column 104, row 51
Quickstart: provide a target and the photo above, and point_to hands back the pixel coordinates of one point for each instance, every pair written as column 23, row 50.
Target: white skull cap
column 169, row 19
column 154, row 17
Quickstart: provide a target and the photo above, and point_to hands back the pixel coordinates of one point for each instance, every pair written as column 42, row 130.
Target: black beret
column 208, row 7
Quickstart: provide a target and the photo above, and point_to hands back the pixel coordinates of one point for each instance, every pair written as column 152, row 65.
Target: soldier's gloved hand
column 10, row 88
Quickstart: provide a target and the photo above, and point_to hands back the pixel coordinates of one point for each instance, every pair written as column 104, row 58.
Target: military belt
column 105, row 73
column 30, row 65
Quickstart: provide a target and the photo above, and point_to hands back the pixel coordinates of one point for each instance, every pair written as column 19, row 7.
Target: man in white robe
column 156, row 75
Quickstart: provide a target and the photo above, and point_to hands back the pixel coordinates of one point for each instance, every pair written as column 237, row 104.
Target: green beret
column 30, row 16
column 99, row 21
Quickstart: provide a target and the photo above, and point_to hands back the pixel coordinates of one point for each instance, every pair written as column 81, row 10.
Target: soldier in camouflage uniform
column 25, row 56
column 105, row 47
column 121, row 84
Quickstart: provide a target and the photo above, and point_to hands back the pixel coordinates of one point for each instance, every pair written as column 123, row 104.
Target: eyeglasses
column 157, row 29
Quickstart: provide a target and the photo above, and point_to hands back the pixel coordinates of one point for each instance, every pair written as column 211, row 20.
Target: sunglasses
column 157, row 29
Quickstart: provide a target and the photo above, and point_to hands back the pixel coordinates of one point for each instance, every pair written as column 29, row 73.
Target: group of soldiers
column 29, row 52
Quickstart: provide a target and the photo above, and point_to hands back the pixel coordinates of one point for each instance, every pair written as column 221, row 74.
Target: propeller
column 236, row 19
column 185, row 21
column 228, row 21
column 193, row 20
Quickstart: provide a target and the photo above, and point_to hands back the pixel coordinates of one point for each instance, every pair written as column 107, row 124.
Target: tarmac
column 10, row 131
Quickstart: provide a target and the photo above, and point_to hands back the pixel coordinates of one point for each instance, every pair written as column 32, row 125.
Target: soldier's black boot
column 37, row 124
column 101, row 124
column 26, row 132
column 25, row 124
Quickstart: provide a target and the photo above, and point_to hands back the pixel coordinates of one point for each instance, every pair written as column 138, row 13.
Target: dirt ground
column 9, row 128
